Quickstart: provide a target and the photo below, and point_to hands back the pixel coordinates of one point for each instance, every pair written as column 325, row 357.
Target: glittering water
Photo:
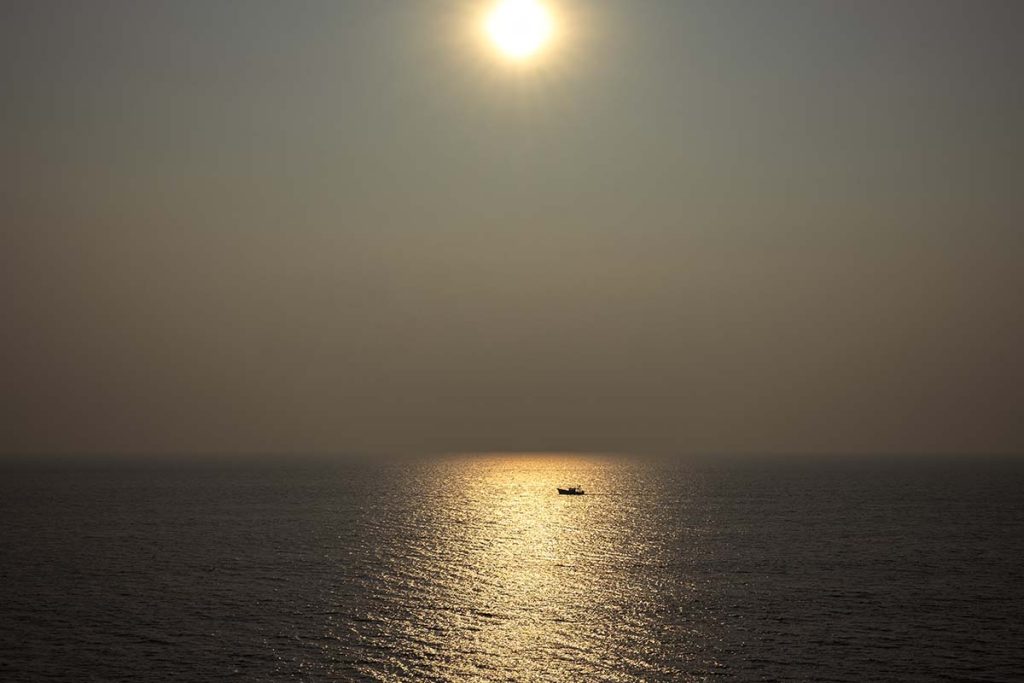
column 466, row 569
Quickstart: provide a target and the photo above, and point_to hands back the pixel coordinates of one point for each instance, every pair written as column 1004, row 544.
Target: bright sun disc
column 520, row 28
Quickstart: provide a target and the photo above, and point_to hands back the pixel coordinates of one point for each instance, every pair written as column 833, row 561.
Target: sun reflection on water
column 489, row 574
column 539, row 580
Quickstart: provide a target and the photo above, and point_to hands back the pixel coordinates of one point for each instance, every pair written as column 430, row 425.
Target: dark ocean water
column 466, row 569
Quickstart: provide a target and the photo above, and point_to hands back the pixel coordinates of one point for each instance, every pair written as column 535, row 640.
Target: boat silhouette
column 571, row 491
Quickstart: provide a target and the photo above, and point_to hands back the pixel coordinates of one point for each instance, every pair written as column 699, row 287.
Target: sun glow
column 520, row 28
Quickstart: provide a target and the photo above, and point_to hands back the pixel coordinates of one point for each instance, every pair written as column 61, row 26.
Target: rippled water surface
column 473, row 568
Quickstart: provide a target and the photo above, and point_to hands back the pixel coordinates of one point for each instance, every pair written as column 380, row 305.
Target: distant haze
column 321, row 226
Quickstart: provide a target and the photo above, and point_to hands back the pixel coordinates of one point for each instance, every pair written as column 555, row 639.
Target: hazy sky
column 348, row 226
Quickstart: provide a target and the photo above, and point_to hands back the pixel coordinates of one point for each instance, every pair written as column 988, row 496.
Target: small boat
column 571, row 491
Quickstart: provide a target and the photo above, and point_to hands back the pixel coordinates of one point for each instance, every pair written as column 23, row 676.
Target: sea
column 473, row 568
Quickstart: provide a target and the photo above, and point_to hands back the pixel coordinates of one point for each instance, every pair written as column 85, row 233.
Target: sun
column 520, row 28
